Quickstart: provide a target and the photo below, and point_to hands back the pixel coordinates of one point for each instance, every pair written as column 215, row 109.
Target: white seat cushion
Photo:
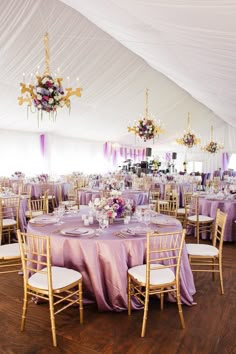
column 61, row 277
column 199, row 249
column 157, row 276
column 181, row 211
column 201, row 218
column 11, row 250
column 34, row 213
column 8, row 222
column 163, row 202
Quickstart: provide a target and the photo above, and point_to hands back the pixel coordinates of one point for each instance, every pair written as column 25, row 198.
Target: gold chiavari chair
column 57, row 285
column 208, row 258
column 37, row 207
column 200, row 223
column 169, row 207
column 160, row 274
column 9, row 216
column 182, row 213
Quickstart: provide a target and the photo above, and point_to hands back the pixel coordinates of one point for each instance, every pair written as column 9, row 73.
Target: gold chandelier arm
column 22, row 100
column 47, row 56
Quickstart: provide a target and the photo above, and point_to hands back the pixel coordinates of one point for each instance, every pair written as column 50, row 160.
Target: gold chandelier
column 47, row 94
column 189, row 139
column 212, row 147
column 146, row 128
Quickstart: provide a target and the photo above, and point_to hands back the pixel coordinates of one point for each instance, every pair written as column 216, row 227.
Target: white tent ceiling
column 183, row 51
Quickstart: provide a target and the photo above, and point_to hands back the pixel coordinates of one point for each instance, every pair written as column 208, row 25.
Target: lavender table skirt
column 139, row 197
column 209, row 207
column 104, row 261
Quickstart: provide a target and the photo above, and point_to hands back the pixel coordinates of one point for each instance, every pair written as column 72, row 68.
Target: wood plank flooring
column 210, row 324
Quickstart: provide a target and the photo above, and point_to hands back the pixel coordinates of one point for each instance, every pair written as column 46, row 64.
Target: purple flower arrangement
column 189, row 140
column 48, row 94
column 43, row 177
column 212, row 147
column 145, row 129
column 18, row 174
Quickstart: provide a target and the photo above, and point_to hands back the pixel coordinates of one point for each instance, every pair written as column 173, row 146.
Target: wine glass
column 103, row 222
column 59, row 212
column 147, row 218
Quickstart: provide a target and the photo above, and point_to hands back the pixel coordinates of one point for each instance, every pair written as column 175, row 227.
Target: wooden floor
column 210, row 324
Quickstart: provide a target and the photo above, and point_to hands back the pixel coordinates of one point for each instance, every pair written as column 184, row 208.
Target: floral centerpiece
column 43, row 177
column 111, row 184
column 48, row 94
column 114, row 207
column 18, row 174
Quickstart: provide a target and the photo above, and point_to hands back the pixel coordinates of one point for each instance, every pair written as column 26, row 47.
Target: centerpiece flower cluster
column 114, row 207
column 48, row 94
column 43, row 177
column 18, row 174
column 111, row 184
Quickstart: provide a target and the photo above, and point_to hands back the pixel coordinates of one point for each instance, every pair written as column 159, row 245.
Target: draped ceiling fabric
column 182, row 50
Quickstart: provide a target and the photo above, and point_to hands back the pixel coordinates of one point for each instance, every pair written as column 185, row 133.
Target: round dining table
column 208, row 206
column 103, row 258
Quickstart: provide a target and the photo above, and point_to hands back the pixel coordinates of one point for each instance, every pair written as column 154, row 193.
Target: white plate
column 46, row 221
column 77, row 231
column 164, row 222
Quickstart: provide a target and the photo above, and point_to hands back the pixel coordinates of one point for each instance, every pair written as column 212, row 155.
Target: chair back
column 40, row 204
column 164, row 249
column 9, row 208
column 194, row 206
column 220, row 222
column 35, row 256
column 168, row 207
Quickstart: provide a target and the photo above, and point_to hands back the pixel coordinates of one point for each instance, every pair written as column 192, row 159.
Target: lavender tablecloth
column 209, row 207
column 104, row 260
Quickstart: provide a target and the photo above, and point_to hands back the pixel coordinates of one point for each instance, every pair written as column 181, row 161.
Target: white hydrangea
column 51, row 100
column 39, row 97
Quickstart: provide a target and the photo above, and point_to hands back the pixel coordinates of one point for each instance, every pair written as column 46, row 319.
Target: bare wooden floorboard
column 210, row 324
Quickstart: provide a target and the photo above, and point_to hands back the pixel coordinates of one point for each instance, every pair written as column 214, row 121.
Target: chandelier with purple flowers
column 146, row 127
column 189, row 139
column 213, row 146
column 47, row 94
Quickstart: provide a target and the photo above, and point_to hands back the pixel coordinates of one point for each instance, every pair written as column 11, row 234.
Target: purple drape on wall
column 106, row 150
column 225, row 161
column 168, row 156
column 42, row 144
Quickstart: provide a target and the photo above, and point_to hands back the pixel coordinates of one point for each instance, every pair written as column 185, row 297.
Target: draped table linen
column 104, row 260
column 209, row 207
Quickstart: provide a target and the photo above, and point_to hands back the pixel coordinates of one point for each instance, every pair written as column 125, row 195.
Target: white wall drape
column 21, row 151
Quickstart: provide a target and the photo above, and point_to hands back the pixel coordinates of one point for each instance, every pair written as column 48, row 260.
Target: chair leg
column 221, row 277
column 180, row 310
column 197, row 232
column 213, row 268
column 145, row 314
column 24, row 311
column 81, row 316
column 52, row 319
column 129, row 295
column 162, row 300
